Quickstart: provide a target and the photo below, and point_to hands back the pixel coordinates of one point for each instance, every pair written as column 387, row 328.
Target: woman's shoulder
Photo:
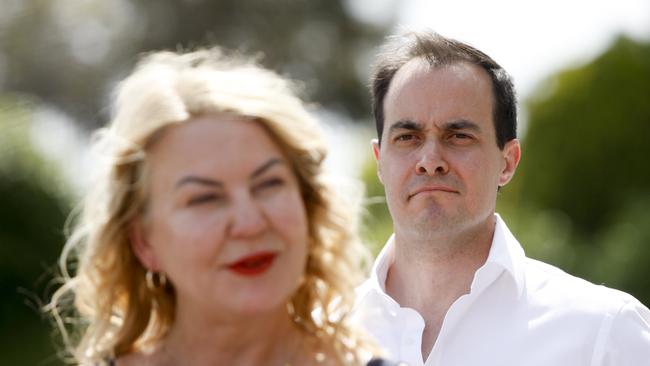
column 108, row 361
column 130, row 359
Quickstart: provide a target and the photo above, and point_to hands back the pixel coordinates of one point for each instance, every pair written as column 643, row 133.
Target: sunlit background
column 580, row 200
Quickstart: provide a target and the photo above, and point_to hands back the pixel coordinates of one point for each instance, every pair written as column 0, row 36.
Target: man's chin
column 432, row 221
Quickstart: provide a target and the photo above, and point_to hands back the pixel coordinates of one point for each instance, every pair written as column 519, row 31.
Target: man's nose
column 431, row 160
column 247, row 219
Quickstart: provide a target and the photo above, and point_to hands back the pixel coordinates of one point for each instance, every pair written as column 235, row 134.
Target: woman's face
column 225, row 220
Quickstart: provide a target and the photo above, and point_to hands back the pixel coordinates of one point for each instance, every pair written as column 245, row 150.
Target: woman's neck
column 263, row 339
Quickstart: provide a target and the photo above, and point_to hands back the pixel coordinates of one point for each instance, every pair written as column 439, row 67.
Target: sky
column 531, row 39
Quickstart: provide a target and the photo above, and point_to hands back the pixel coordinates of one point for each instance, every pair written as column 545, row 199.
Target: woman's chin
column 259, row 304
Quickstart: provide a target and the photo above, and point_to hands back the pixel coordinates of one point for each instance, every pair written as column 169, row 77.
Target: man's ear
column 375, row 152
column 511, row 155
column 141, row 247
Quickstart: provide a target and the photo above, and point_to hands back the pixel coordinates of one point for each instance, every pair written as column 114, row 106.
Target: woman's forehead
column 213, row 147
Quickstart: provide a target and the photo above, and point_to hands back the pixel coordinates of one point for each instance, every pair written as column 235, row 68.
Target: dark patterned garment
column 382, row 362
column 373, row 362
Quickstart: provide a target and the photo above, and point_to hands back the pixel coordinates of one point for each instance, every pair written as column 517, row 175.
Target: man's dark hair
column 440, row 51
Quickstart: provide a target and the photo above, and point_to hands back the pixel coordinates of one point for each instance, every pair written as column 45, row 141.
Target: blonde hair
column 114, row 312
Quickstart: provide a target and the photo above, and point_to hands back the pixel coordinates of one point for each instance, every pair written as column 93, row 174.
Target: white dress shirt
column 518, row 312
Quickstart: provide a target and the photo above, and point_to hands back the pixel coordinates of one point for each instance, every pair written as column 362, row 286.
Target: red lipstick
column 254, row 264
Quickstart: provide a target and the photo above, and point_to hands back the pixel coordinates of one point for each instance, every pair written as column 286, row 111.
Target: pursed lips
column 432, row 188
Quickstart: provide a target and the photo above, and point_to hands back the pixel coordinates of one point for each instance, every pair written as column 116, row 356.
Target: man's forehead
column 421, row 92
column 416, row 66
column 426, row 77
column 420, row 67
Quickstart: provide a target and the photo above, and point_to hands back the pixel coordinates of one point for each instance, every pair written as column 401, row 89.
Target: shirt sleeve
column 628, row 341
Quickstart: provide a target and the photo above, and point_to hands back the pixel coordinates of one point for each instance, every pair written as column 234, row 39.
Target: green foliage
column 377, row 224
column 586, row 150
column 580, row 197
column 623, row 260
column 32, row 213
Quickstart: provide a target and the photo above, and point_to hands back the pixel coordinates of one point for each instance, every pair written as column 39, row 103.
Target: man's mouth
column 432, row 188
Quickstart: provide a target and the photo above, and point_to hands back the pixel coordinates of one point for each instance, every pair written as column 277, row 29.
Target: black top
column 373, row 362
column 382, row 362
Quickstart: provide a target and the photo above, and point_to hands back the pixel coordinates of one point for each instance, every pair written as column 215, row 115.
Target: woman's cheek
column 197, row 227
column 287, row 210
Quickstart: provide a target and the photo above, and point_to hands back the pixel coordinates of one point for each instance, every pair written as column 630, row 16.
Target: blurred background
column 580, row 200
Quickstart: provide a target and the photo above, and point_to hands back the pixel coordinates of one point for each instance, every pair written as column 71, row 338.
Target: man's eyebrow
column 266, row 166
column 461, row 124
column 405, row 124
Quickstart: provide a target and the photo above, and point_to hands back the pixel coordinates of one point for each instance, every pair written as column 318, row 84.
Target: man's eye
column 461, row 136
column 203, row 198
column 405, row 137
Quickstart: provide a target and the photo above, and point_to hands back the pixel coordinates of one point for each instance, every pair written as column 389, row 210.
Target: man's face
column 438, row 158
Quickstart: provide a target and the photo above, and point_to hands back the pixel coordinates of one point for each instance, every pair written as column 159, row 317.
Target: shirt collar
column 384, row 261
column 374, row 288
column 505, row 252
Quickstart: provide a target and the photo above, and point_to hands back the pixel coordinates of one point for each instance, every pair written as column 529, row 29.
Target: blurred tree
column 377, row 223
column 68, row 52
column 581, row 194
column 32, row 212
column 586, row 149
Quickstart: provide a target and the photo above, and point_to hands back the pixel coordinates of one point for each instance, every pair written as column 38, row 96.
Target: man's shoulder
column 547, row 285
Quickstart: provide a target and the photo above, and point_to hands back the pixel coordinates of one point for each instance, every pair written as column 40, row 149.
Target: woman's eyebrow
column 266, row 166
column 193, row 179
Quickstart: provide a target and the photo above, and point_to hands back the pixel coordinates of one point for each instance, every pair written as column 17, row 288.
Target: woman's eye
column 203, row 198
column 270, row 183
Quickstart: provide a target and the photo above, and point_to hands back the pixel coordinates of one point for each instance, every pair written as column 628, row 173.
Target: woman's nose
column 247, row 219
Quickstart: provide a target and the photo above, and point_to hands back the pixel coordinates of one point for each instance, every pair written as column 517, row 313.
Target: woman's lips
column 253, row 265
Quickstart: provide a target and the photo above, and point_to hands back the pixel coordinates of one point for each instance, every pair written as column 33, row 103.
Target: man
column 452, row 286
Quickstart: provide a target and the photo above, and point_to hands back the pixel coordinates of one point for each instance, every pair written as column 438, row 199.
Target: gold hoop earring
column 154, row 284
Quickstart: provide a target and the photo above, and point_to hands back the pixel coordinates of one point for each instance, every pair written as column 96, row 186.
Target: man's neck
column 430, row 274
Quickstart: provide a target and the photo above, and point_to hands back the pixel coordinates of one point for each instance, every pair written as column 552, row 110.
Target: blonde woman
column 210, row 236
